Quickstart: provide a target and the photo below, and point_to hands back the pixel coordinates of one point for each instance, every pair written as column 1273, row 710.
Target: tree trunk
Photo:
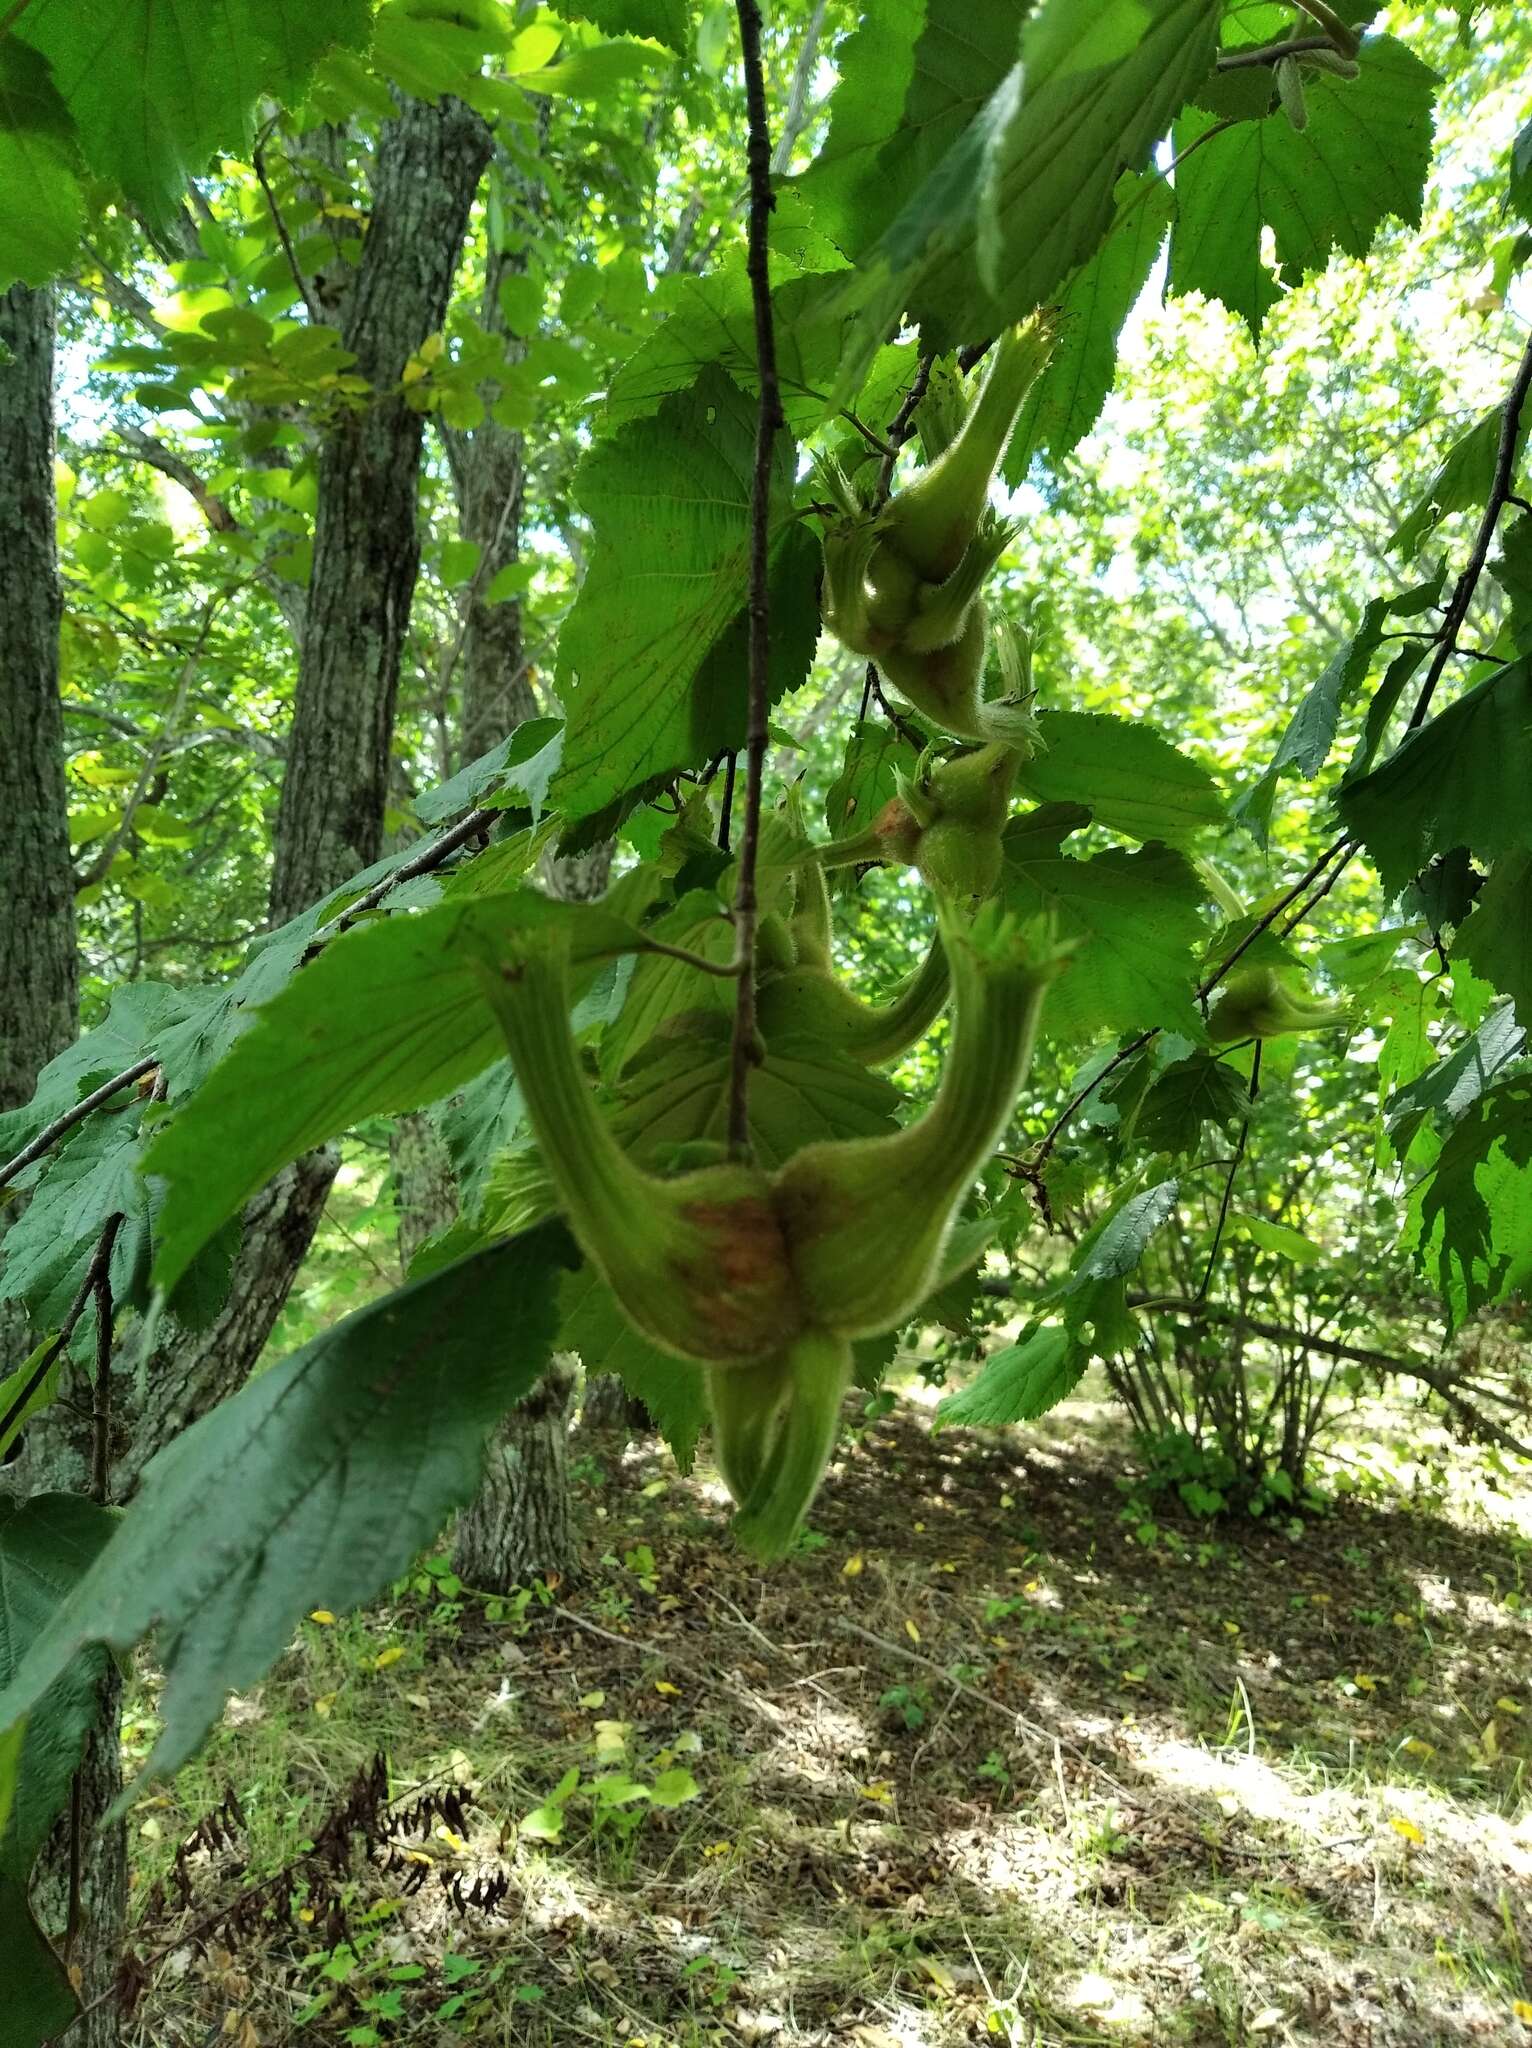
column 38, row 974
column 425, row 1192
column 366, row 558
column 608, row 1406
column 93, row 1955
column 38, row 1018
column 38, row 991
column 519, row 1526
column 366, row 535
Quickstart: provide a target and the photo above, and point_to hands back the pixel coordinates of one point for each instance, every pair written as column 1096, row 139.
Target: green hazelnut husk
column 903, row 581
column 766, row 1278
column 1256, row 1004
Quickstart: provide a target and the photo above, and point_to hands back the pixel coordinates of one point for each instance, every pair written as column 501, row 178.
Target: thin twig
column 61, row 1126
column 1499, row 496
column 101, row 1407
column 1343, row 846
column 902, row 425
column 1032, row 1730
column 1268, row 918
column 430, row 856
column 1228, row 1187
column 1273, row 53
column 744, row 1050
column 1306, row 910
column 731, row 765
column 258, row 164
column 158, row 747
column 100, row 1260
column 724, row 970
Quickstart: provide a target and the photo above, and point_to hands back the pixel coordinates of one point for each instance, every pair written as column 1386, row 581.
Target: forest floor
column 1005, row 1753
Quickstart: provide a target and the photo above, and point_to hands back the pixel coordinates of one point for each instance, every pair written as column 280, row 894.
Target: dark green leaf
column 46, row 1545
column 1470, row 1221
column 1496, row 940
column 875, row 758
column 1463, row 780
column 912, row 78
column 669, row 499
column 1454, row 1084
column 1521, row 174
column 42, row 210
column 1311, row 731
column 799, row 1094
column 1189, row 1094
column 314, row 1486
column 155, row 90
column 91, row 1178
column 516, row 773
column 1066, row 401
column 666, row 21
column 1115, row 1247
column 1462, row 483
column 1025, row 193
column 1513, row 572
column 671, row 1389
column 391, row 1017
column 1139, row 917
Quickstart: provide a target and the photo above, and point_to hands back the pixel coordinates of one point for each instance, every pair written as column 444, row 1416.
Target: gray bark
column 38, row 1018
column 519, row 1526
column 366, row 537
column 425, row 1191
column 489, row 480
column 96, row 1948
column 366, row 558
column 609, row 1406
column 38, row 990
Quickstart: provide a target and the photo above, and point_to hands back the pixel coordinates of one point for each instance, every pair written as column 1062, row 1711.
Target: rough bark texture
column 425, row 1192
column 519, row 1526
column 38, row 1018
column 366, row 557
column 366, row 539
column 189, row 1378
column 37, row 944
column 609, row 1406
column 97, row 1945
column 489, row 480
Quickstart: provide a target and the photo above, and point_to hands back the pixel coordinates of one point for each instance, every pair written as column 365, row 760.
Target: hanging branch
column 744, row 1050
column 96, row 1272
column 1500, row 496
column 1234, row 1166
column 1341, row 848
column 62, row 1125
column 101, row 1405
column 258, row 165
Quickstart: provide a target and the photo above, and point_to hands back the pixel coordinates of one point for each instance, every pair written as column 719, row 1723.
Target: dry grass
column 1278, row 1796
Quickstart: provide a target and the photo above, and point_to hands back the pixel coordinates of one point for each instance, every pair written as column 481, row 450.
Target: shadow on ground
column 989, row 1760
